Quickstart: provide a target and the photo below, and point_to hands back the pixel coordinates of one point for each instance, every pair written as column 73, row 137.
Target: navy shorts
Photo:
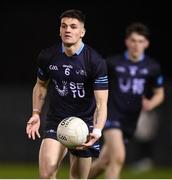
column 127, row 126
column 51, row 132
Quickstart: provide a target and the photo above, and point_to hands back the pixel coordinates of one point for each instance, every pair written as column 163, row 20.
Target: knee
column 119, row 158
column 74, row 175
column 47, row 175
column 48, row 172
column 104, row 161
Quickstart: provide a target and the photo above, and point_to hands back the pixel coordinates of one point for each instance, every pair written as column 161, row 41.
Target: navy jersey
column 72, row 81
column 128, row 82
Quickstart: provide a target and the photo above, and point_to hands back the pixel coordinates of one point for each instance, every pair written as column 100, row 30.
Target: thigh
column 79, row 167
column 114, row 143
column 103, row 159
column 50, row 155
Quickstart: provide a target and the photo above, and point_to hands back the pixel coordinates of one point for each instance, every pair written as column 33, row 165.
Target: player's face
column 136, row 44
column 71, row 31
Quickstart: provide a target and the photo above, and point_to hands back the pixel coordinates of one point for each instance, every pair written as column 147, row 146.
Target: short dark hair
column 74, row 13
column 138, row 28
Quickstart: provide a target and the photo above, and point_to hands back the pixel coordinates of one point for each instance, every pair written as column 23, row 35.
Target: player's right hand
column 32, row 128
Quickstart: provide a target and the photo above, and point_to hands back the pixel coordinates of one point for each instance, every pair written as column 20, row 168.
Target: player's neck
column 71, row 50
column 133, row 58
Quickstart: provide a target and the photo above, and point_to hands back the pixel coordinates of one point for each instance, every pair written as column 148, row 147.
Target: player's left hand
column 92, row 138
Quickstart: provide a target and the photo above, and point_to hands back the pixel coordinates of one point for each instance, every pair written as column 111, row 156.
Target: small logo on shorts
column 51, row 131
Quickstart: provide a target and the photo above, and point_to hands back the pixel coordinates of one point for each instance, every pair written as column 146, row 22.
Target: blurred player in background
column 131, row 75
column 144, row 141
column 75, row 77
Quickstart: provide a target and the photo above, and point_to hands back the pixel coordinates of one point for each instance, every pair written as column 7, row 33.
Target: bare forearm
column 100, row 116
column 157, row 99
column 39, row 94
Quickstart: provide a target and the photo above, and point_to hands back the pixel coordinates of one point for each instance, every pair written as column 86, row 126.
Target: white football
column 72, row 132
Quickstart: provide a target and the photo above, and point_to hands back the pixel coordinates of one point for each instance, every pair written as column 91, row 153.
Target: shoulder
column 152, row 63
column 92, row 54
column 46, row 54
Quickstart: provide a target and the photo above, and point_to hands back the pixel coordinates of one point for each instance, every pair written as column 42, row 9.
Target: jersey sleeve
column 110, row 66
column 157, row 77
column 43, row 59
column 100, row 76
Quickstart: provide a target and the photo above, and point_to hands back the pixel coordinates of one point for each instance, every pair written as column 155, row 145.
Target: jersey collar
column 141, row 58
column 78, row 51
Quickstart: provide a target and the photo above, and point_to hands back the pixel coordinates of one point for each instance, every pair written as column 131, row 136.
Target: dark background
column 27, row 27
